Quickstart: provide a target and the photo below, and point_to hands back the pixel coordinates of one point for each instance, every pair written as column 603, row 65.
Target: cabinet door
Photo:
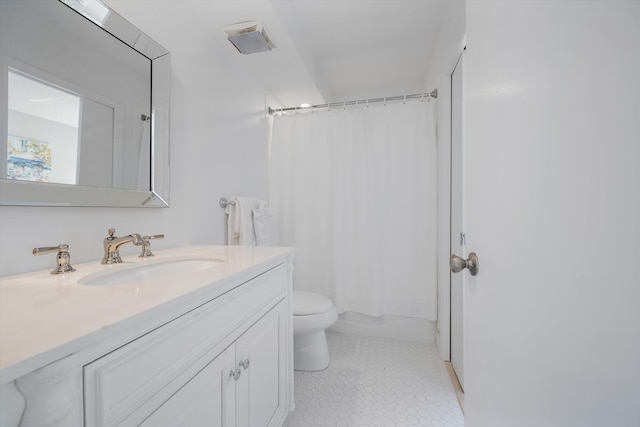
column 207, row 400
column 261, row 354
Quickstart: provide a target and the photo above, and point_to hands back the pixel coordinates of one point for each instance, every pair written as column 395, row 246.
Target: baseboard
column 387, row 326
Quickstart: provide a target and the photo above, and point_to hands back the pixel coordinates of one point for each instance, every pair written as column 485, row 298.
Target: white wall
column 218, row 148
column 446, row 53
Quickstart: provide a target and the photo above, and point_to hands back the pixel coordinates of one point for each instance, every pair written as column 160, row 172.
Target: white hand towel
column 261, row 216
column 247, row 222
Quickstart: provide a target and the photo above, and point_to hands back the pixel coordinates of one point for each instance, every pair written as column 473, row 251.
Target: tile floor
column 376, row 382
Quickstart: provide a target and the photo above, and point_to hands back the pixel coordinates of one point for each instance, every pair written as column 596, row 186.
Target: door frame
column 443, row 327
column 456, row 223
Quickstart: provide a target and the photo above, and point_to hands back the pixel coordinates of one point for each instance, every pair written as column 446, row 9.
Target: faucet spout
column 112, row 246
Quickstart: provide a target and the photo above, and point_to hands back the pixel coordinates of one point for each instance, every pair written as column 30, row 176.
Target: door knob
column 458, row 263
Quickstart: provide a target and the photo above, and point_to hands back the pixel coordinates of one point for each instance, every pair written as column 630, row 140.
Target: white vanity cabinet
column 226, row 360
column 259, row 355
column 203, row 401
column 239, row 387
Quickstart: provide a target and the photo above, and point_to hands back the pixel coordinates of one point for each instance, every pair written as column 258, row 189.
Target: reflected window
column 43, row 131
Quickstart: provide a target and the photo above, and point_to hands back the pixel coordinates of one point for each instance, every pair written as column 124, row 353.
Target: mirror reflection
column 44, row 127
column 77, row 101
column 43, row 131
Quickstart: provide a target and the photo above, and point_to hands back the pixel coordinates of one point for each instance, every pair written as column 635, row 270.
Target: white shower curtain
column 355, row 191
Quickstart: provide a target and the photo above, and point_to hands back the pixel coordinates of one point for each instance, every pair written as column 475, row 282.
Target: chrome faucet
column 112, row 246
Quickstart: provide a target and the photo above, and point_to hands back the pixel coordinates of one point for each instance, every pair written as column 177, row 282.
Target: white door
column 457, row 224
column 552, row 208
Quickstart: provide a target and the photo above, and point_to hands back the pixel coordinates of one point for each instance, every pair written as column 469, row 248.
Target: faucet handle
column 146, row 245
column 63, row 258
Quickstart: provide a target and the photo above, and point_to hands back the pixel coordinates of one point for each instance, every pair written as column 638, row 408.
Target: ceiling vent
column 248, row 37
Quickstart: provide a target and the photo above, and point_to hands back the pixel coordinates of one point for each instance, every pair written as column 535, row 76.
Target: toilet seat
column 309, row 304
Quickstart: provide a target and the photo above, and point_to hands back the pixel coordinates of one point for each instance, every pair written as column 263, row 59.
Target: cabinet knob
column 244, row 363
column 236, row 374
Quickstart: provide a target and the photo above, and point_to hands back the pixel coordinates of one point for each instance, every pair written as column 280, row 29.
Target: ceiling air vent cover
column 248, row 37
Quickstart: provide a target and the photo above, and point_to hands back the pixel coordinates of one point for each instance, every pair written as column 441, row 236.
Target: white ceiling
column 357, row 49
column 326, row 50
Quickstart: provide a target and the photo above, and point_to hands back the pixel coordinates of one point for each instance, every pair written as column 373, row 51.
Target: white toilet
column 312, row 314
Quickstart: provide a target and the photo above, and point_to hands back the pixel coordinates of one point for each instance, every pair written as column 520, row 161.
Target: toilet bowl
column 312, row 314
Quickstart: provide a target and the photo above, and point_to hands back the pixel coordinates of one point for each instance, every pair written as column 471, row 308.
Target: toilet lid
column 308, row 303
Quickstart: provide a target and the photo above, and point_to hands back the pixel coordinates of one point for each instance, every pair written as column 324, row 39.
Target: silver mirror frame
column 24, row 193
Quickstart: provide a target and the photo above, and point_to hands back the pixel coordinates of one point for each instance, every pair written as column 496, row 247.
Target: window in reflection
column 43, row 130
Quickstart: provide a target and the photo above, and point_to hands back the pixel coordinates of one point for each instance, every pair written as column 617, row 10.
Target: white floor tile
column 376, row 382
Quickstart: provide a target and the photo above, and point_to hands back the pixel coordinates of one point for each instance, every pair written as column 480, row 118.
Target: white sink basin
column 148, row 272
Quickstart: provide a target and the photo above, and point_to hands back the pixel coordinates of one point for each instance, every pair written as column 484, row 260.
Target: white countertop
column 43, row 317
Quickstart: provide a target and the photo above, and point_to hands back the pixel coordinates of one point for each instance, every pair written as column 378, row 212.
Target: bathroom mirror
column 85, row 107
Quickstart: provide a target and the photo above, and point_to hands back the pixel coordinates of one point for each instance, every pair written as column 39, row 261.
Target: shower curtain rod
column 427, row 95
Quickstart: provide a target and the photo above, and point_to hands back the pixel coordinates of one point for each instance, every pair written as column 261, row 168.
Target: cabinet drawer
column 126, row 385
